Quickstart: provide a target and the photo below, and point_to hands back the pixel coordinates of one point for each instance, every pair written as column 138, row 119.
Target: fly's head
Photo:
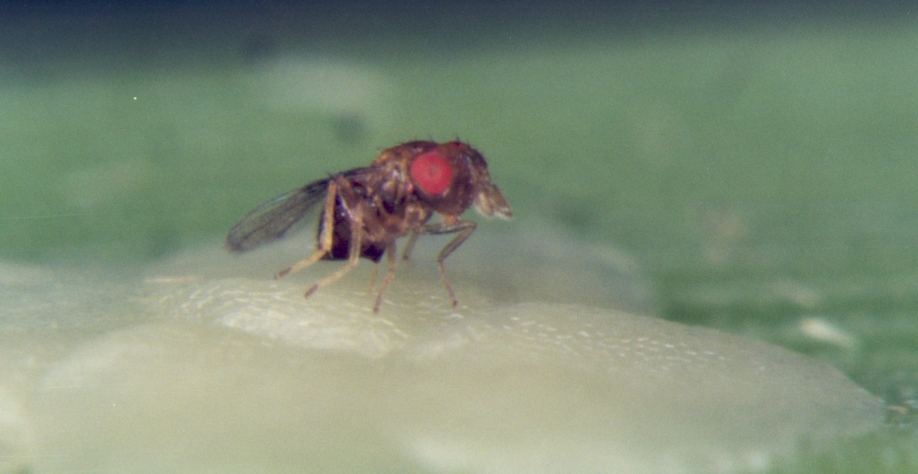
column 451, row 177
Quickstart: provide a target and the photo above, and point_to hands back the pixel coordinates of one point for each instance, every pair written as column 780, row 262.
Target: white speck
column 824, row 331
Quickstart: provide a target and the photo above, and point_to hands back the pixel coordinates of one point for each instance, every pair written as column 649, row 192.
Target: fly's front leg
column 415, row 214
column 448, row 226
column 390, row 274
column 325, row 233
column 409, row 246
column 373, row 277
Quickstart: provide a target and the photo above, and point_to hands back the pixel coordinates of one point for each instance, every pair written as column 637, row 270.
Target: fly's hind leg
column 336, row 190
column 353, row 256
column 354, row 209
column 448, row 226
column 327, row 223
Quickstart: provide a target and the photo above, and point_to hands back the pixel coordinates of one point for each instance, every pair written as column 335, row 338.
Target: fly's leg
column 417, row 215
column 373, row 277
column 409, row 246
column 464, row 229
column 390, row 274
column 325, row 235
column 352, row 257
column 336, row 190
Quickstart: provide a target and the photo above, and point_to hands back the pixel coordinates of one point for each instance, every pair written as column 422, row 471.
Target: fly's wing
column 270, row 220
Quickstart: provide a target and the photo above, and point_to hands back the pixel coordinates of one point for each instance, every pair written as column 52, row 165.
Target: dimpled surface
column 179, row 368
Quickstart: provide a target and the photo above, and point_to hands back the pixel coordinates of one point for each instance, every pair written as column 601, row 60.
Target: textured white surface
column 180, row 369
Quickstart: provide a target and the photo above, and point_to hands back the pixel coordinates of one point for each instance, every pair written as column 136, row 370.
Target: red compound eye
column 431, row 172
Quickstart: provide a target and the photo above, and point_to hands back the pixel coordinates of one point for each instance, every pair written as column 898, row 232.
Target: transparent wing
column 270, row 220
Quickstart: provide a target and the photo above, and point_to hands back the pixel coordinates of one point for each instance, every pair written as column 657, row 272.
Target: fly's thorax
column 386, row 188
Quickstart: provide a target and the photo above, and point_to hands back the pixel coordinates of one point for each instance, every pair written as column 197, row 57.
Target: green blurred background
column 758, row 159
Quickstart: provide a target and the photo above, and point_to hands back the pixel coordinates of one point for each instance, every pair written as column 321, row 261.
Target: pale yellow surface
column 205, row 364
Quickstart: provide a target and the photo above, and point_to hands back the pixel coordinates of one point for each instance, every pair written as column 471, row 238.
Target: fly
column 365, row 210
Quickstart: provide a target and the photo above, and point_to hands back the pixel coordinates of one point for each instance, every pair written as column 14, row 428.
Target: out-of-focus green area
column 764, row 177
column 758, row 151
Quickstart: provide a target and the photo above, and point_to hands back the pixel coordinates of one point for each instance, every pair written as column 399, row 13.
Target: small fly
column 365, row 210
